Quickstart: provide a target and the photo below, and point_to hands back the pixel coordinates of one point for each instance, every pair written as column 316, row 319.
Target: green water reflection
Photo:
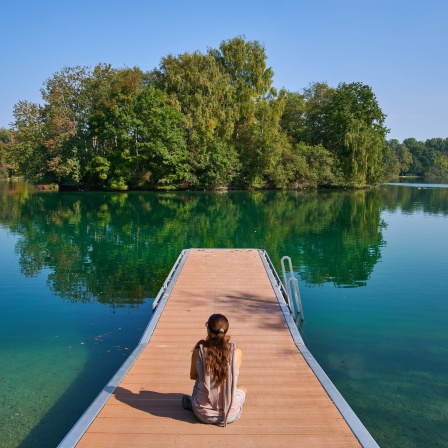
column 364, row 259
column 116, row 248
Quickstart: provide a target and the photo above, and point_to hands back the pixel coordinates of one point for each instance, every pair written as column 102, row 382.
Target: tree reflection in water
column 117, row 248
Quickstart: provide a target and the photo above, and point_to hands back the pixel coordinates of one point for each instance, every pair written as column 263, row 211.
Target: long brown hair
column 217, row 347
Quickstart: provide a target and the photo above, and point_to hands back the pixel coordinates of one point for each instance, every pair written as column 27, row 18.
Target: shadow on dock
column 163, row 405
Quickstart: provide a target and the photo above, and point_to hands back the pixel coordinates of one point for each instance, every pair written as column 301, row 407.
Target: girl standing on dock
column 215, row 365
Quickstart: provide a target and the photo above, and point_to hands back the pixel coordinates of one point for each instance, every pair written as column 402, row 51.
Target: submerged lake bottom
column 79, row 271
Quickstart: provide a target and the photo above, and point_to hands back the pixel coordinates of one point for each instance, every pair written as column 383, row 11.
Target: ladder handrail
column 294, row 294
column 285, row 279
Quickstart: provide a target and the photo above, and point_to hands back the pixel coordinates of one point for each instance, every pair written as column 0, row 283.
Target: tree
column 436, row 157
column 244, row 62
column 393, row 166
column 65, row 116
column 317, row 97
column 417, row 149
column 437, row 144
column 364, row 154
column 293, row 117
column 28, row 152
column 405, row 158
column 50, row 138
column 262, row 143
column 355, row 132
column 439, row 167
column 6, row 138
column 161, row 159
column 201, row 90
column 112, row 131
column 303, row 166
column 256, row 109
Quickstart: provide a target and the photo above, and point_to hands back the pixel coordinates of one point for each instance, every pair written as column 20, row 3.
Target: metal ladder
column 292, row 291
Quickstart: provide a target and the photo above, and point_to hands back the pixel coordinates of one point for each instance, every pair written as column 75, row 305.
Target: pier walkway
column 290, row 401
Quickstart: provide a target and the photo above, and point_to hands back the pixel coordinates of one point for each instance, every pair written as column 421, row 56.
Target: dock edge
column 84, row 422
column 359, row 430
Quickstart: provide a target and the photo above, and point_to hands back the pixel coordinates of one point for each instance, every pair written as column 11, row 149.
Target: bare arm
column 194, row 360
column 239, row 360
column 239, row 357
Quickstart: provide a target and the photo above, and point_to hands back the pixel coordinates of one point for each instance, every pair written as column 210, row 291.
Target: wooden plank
column 286, row 404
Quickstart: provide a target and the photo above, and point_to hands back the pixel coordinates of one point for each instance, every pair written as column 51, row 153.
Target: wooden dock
column 290, row 401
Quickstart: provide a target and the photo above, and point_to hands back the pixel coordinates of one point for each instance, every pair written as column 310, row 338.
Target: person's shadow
column 166, row 405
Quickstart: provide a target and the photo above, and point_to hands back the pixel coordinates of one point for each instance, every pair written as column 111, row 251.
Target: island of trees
column 207, row 121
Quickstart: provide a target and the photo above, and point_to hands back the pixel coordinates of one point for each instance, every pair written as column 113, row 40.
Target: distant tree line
column 429, row 158
column 200, row 120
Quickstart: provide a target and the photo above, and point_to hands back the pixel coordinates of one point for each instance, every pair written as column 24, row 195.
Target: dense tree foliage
column 206, row 120
column 6, row 139
column 412, row 157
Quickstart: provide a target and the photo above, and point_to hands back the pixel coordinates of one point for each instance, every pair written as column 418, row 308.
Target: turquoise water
column 55, row 354
column 78, row 272
column 388, row 350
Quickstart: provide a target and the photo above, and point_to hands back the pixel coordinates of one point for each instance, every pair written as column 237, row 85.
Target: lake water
column 78, row 272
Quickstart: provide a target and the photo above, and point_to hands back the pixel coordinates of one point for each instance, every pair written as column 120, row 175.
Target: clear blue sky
column 398, row 47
